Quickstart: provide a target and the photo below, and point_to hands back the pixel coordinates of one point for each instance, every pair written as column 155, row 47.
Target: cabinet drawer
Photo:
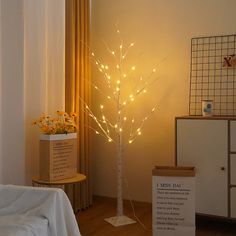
column 233, row 169
column 233, row 136
column 233, row 203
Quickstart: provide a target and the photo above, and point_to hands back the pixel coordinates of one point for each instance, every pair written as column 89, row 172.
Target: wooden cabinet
column 209, row 144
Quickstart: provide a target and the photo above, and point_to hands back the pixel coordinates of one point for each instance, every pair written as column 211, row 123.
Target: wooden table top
column 78, row 178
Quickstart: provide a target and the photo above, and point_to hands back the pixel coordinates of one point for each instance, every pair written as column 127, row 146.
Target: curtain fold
column 77, row 86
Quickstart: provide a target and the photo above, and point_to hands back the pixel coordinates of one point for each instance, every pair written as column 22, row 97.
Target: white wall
column 160, row 29
column 32, row 80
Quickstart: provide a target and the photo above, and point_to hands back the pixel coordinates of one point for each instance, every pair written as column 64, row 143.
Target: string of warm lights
column 104, row 124
column 137, row 132
column 105, row 131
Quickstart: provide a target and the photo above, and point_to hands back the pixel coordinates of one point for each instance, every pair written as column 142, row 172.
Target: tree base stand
column 120, row 220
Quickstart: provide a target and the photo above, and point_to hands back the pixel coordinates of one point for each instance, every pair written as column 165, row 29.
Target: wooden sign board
column 173, row 202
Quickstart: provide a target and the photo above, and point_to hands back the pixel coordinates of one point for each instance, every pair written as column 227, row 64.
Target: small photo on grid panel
column 213, row 74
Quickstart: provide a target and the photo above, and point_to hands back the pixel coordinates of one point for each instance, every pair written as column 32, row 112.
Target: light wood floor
column 91, row 221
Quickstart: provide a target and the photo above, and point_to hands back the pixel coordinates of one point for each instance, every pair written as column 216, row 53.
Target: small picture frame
column 207, row 107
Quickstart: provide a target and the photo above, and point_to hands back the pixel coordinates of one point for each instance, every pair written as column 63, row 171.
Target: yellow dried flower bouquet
column 62, row 123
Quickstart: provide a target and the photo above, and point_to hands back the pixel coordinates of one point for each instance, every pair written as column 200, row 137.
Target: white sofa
column 31, row 211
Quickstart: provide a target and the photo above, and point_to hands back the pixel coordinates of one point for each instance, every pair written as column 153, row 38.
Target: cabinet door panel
column 203, row 144
column 233, row 203
column 233, row 136
column 233, row 169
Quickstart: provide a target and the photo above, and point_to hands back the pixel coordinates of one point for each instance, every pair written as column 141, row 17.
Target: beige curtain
column 77, row 86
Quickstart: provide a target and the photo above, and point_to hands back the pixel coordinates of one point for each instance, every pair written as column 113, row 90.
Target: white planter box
column 58, row 136
column 58, row 156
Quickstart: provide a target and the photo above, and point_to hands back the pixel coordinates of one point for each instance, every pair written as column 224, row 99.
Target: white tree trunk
column 119, row 177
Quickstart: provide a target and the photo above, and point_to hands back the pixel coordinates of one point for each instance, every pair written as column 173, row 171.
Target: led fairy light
column 133, row 134
column 105, row 132
column 123, row 131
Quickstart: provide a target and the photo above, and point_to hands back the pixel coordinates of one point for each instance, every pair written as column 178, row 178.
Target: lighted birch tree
column 118, row 128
